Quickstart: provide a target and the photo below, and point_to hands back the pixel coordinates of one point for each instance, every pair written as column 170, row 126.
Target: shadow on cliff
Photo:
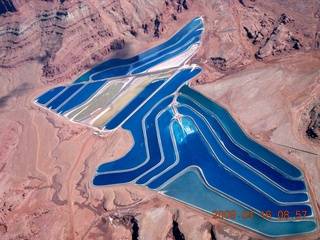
column 124, row 53
column 127, row 51
column 16, row 92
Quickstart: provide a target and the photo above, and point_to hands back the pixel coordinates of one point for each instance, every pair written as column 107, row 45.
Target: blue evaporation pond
column 81, row 96
column 162, row 135
column 165, row 57
column 168, row 157
column 240, row 137
column 187, row 134
column 144, row 164
column 124, row 64
column 235, row 148
column 232, row 163
column 191, row 148
column 64, row 96
column 132, row 106
column 44, row 98
column 190, row 188
column 134, row 123
column 154, row 59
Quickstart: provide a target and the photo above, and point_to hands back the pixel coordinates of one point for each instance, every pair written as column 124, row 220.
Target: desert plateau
column 60, row 167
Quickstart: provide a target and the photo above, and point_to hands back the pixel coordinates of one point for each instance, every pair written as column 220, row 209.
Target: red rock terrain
column 260, row 61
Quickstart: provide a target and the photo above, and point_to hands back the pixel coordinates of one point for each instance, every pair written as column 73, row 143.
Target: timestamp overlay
column 250, row 214
column 186, row 146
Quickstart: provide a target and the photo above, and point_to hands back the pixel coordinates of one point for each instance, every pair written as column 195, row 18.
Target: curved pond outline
column 180, row 135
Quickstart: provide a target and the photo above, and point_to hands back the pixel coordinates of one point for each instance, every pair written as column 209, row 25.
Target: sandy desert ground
column 261, row 60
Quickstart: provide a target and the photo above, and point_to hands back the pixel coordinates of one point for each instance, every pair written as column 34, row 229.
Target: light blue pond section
column 87, row 91
column 194, row 151
column 239, row 136
column 234, row 148
column 44, row 98
column 232, row 163
column 189, row 188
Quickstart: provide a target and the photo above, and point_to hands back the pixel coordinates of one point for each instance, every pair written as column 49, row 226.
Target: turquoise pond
column 189, row 148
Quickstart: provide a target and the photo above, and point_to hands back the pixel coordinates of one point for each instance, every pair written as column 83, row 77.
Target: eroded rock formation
column 313, row 130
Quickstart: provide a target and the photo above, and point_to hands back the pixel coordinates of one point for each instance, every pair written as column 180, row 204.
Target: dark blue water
column 250, row 159
column 239, row 136
column 153, row 158
column 121, row 62
column 186, row 138
column 132, row 106
column 190, row 189
column 133, row 159
column 44, row 98
column 64, row 96
column 169, row 156
column 230, row 162
column 87, row 91
column 114, row 72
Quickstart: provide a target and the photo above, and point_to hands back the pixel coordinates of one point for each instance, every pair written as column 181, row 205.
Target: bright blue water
column 189, row 188
column 169, row 156
column 237, row 167
column 87, row 91
column 132, row 106
column 186, row 138
column 151, row 160
column 64, row 96
column 44, row 98
column 239, row 136
column 250, row 159
column 121, row 62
